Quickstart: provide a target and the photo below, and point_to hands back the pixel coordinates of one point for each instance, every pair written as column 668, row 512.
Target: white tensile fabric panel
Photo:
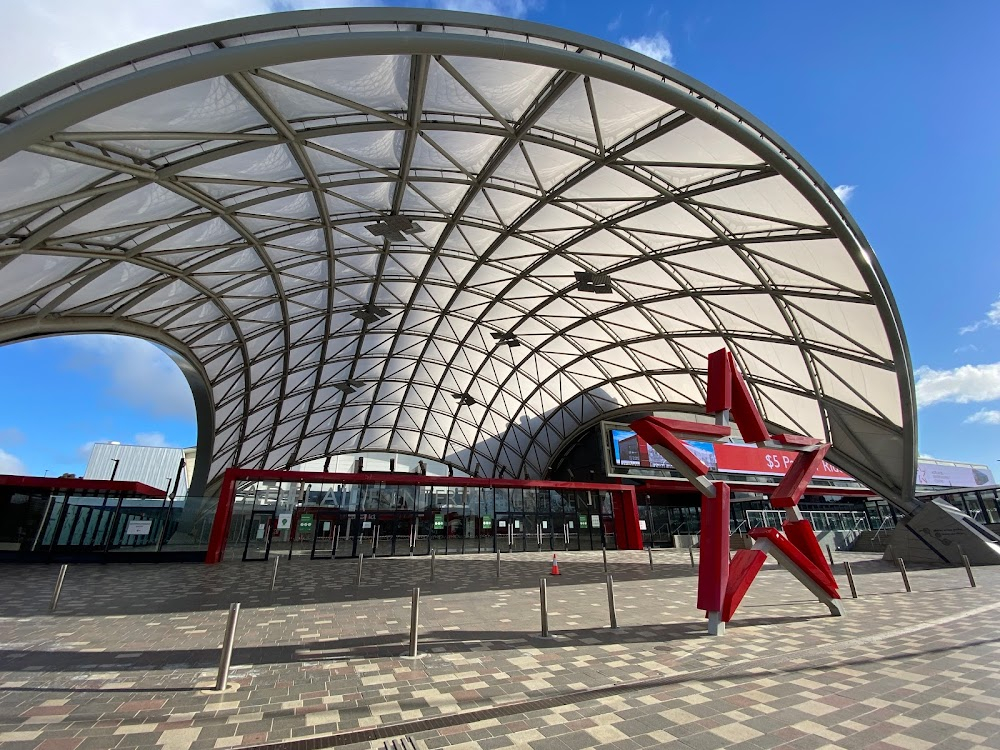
column 27, row 178
column 263, row 266
column 212, row 106
column 147, row 203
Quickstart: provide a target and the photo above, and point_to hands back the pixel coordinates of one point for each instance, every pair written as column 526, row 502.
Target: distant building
column 157, row 467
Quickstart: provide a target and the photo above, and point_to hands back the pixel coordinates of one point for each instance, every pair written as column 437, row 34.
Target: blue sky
column 894, row 101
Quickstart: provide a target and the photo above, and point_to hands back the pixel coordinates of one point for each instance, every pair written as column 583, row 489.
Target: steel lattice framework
column 457, row 236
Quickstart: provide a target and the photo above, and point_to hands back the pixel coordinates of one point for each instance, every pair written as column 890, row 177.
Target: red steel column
column 223, row 517
column 713, row 556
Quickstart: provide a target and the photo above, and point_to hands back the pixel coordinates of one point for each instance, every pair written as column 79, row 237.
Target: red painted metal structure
column 721, row 583
column 74, row 484
column 624, row 507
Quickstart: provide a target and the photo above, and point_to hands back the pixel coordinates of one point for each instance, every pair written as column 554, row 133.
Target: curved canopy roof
column 456, row 236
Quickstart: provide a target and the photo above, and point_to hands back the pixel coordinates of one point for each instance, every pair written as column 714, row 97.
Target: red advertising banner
column 749, row 459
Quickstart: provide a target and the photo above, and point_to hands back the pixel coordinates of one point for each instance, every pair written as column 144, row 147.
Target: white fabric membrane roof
column 342, row 220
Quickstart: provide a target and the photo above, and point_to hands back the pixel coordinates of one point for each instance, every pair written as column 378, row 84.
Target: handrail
column 881, row 527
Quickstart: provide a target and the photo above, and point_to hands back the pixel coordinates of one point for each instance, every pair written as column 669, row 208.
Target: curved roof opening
column 450, row 235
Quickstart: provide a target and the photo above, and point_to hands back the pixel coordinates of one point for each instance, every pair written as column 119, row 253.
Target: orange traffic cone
column 555, row 565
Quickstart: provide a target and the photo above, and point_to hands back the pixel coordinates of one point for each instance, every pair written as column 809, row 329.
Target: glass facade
column 385, row 518
column 41, row 523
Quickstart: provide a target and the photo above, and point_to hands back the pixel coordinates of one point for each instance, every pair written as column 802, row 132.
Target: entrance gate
column 346, row 515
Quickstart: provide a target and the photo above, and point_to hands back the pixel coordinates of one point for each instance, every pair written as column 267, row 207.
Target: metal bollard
column 611, row 603
column 414, row 609
column 227, row 647
column 649, row 549
column 850, row 579
column 543, row 599
column 274, row 576
column 62, row 577
column 432, row 564
column 902, row 572
column 691, row 549
column 968, row 570
column 361, row 565
column 498, row 565
column 829, row 553
column 604, row 554
column 378, row 533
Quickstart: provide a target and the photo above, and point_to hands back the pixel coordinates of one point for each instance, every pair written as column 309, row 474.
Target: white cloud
column 963, row 385
column 984, row 416
column 844, row 192
column 152, row 439
column 613, row 25
column 138, row 373
column 992, row 319
column 655, row 45
column 10, row 464
column 46, row 35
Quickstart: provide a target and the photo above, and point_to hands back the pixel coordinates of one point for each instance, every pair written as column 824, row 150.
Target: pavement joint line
column 473, row 715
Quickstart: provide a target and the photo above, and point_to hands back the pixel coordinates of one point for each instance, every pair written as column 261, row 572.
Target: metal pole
column 965, row 560
column 274, row 576
column 545, row 610
column 650, row 551
column 611, row 603
column 691, row 548
column 498, row 565
column 413, row 538
column 829, row 553
column 361, row 565
column 604, row 554
column 227, row 647
column 378, row 533
column 333, row 544
column 414, row 609
column 902, row 572
column 62, row 577
column 432, row 565
column 850, row 579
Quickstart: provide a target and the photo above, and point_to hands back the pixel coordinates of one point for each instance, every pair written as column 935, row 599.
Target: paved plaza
column 320, row 662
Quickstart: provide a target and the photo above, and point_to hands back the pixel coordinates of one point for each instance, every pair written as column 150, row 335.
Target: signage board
column 642, row 525
column 946, row 475
column 305, row 523
column 487, row 522
column 583, row 522
column 138, row 528
column 284, row 521
column 438, row 522
column 595, row 522
column 630, row 450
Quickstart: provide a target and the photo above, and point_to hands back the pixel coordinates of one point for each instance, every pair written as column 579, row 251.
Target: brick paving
column 125, row 660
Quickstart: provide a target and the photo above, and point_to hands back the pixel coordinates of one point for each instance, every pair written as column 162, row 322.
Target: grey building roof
column 156, row 467
column 462, row 237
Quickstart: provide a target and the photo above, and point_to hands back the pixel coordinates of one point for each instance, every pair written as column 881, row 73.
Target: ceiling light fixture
column 595, row 283
column 392, row 228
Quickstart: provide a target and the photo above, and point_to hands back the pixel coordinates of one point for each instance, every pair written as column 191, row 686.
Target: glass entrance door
column 259, row 534
column 325, row 535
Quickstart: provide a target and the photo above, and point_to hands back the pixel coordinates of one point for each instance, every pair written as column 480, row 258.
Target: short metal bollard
column 604, row 554
column 850, row 579
column 432, row 564
column 62, row 577
column 274, row 575
column 691, row 549
column 414, row 618
column 649, row 549
column 611, row 602
column 543, row 599
column 498, row 565
column 227, row 647
column 361, row 566
column 902, row 572
column 829, row 553
column 968, row 570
